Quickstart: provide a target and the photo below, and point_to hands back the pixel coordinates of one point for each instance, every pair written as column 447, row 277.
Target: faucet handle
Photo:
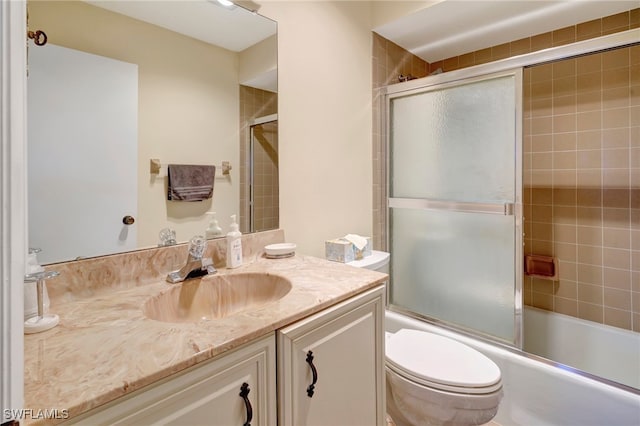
column 197, row 247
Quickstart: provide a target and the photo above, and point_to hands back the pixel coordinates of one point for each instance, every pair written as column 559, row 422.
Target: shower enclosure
column 536, row 154
column 455, row 203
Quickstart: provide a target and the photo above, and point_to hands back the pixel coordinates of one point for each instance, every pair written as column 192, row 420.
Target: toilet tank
column 378, row 261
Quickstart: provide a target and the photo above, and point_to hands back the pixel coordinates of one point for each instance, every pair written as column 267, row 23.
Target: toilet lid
column 440, row 362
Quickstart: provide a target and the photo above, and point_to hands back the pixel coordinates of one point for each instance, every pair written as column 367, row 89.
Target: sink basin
column 215, row 297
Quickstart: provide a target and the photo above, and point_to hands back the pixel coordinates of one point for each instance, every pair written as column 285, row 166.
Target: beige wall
column 187, row 114
column 324, row 91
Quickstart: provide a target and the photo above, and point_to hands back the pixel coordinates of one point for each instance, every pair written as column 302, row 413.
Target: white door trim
column 13, row 83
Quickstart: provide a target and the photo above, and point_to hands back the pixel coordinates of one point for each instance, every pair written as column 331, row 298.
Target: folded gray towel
column 189, row 182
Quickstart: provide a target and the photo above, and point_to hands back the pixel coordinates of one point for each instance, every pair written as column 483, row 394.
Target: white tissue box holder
column 341, row 250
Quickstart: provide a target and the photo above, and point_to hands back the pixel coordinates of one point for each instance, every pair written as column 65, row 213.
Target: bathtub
column 584, row 345
column 537, row 393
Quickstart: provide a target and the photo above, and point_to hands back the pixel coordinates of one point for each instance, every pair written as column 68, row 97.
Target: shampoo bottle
column 234, row 245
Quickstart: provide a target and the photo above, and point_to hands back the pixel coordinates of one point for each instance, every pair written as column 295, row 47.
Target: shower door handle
column 505, row 209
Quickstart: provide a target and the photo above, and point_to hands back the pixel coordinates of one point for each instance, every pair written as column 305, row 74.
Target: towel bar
column 155, row 165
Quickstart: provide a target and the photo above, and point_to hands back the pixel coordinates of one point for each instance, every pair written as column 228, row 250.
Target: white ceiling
column 454, row 27
column 233, row 29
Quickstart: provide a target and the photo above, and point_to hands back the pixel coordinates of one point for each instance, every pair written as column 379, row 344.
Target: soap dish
column 280, row 250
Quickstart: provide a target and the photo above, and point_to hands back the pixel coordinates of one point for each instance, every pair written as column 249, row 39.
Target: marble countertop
column 104, row 347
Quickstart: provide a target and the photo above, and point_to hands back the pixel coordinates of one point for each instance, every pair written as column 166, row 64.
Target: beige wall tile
column 542, row 160
column 542, row 301
column 616, row 258
column 564, row 233
column 564, row 215
column 617, row 117
column 541, row 213
column 617, row 278
column 589, row 274
column 589, row 29
column 616, row 238
column 564, row 288
column 568, row 273
column 591, row 235
column 566, row 306
column 588, row 178
column 618, row 318
column 589, row 64
column 590, row 293
column 542, row 231
column 589, row 101
column 589, row 83
column 542, row 143
column 589, row 159
column 542, row 107
column 589, row 197
column 591, row 120
column 591, row 255
column 564, row 36
column 619, row 299
column 565, row 141
column 566, row 251
column 617, row 97
column 616, row 217
column 615, row 22
column 590, row 139
column 616, row 77
column 615, row 178
column 616, row 138
column 541, row 195
column 542, row 286
column 564, row 178
column 591, row 312
column 564, row 196
column 589, row 216
column 615, row 59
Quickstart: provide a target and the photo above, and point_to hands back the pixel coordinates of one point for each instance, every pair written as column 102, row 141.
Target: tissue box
column 341, row 250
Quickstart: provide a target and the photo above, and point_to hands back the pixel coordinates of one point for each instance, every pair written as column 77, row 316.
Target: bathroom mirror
column 200, row 88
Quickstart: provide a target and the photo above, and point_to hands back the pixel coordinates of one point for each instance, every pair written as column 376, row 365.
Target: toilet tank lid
column 374, row 261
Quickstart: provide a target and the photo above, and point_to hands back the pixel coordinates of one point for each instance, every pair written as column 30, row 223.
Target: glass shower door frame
column 440, row 82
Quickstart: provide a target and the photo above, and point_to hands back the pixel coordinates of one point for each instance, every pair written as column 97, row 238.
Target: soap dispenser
column 234, row 245
column 214, row 229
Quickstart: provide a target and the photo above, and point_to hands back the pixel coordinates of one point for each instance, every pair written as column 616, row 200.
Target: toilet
column 432, row 379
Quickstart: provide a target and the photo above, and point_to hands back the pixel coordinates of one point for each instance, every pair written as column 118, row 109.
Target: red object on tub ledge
column 541, row 266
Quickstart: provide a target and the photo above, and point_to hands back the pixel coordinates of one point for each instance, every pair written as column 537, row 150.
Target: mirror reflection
column 124, row 89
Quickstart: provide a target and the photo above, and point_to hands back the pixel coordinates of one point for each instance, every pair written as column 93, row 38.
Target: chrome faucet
column 196, row 265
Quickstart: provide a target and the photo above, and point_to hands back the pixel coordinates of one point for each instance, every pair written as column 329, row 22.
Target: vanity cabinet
column 331, row 365
column 330, row 372
column 209, row 393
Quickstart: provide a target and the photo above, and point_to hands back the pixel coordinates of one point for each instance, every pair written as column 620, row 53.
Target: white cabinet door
column 205, row 395
column 344, row 344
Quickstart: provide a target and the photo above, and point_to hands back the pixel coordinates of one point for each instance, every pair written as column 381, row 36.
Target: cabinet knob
column 312, row 386
column 244, row 393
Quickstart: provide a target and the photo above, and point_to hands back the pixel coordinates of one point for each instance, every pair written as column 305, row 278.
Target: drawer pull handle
column 311, row 387
column 244, row 393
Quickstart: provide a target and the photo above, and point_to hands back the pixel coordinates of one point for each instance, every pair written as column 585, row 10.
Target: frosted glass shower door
column 454, row 203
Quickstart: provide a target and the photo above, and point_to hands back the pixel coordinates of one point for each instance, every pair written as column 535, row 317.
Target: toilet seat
column 441, row 363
